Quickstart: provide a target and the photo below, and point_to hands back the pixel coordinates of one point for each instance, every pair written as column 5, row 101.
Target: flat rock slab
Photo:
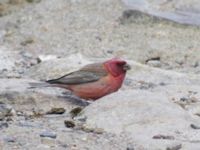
column 17, row 93
column 149, row 118
column 181, row 11
column 55, row 68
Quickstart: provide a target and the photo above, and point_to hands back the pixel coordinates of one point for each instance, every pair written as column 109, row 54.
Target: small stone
column 195, row 64
column 69, row 124
column 162, row 83
column 42, row 58
column 33, row 62
column 33, row 1
column 81, row 118
column 110, row 51
column 26, row 54
column 75, row 111
column 165, row 137
column 154, row 63
column 184, row 99
column 130, row 148
column 48, row 134
column 27, row 41
column 98, row 131
column 56, row 111
column 21, row 71
column 174, row 147
column 43, row 146
column 10, row 139
column 15, row 2
column 193, row 126
column 3, row 125
column 5, row 110
column 48, row 141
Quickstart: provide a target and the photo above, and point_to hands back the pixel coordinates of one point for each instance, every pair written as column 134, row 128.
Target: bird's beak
column 126, row 67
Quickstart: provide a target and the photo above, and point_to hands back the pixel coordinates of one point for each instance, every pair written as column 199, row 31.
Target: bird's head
column 117, row 66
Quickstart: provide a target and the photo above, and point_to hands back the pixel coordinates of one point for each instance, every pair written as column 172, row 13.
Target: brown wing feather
column 89, row 73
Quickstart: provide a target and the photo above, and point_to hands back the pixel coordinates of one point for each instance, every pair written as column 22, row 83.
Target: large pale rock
column 55, row 68
column 142, row 115
column 17, row 93
column 8, row 59
column 185, row 12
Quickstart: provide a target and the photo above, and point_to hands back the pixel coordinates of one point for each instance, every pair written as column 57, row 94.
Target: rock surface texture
column 158, row 106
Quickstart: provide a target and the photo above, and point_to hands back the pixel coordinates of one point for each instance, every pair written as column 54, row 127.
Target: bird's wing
column 89, row 73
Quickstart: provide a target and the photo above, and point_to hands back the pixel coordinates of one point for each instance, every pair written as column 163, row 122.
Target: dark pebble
column 75, row 111
column 164, row 137
column 69, row 124
column 193, row 126
column 130, row 148
column 183, row 99
column 56, row 111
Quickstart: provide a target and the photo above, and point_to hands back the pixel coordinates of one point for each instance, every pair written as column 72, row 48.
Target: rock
column 17, row 92
column 7, row 59
column 166, row 137
column 169, row 10
column 69, row 124
column 53, row 68
column 42, row 58
column 154, row 63
column 56, row 111
column 3, row 125
column 75, row 111
column 27, row 41
column 48, row 141
column 64, row 36
column 174, row 147
column 10, row 139
column 193, row 126
column 5, row 110
column 141, row 115
column 48, row 134
column 130, row 148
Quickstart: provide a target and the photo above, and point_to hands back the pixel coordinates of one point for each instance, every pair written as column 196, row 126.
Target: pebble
column 27, row 41
column 48, row 134
column 56, row 111
column 42, row 58
column 75, row 111
column 154, row 63
column 69, row 123
column 26, row 54
column 165, row 137
column 10, row 139
column 130, row 148
column 193, row 126
column 174, row 147
column 5, row 110
column 3, row 125
column 48, row 141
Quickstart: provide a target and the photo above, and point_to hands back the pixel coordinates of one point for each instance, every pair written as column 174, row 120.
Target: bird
column 95, row 80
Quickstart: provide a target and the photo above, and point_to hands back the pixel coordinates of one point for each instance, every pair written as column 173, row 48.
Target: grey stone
column 48, row 134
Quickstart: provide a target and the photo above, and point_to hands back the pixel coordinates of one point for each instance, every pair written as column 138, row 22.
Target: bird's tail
column 39, row 85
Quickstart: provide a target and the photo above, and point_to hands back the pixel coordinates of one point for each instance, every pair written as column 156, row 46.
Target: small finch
column 94, row 80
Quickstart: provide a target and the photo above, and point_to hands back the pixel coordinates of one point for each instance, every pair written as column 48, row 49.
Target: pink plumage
column 94, row 80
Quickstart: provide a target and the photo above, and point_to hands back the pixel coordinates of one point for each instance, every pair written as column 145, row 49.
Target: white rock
column 141, row 115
